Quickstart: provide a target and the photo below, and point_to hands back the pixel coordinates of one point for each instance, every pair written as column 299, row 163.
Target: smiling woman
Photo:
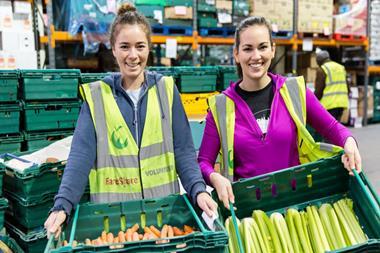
column 258, row 123
column 132, row 135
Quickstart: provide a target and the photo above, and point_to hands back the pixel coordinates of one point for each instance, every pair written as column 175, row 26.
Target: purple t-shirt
column 256, row 154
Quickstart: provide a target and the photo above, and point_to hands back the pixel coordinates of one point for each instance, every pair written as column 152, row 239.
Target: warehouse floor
column 369, row 145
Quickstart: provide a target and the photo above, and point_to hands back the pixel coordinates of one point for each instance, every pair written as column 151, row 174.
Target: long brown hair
column 248, row 22
column 127, row 15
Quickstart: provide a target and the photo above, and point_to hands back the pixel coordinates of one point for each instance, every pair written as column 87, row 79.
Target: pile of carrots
column 132, row 235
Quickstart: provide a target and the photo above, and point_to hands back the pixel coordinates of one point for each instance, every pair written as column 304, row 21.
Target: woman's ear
column 235, row 53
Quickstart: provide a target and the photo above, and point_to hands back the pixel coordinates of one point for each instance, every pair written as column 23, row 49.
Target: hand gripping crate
column 324, row 181
column 49, row 84
column 8, row 85
column 35, row 180
column 91, row 219
column 197, row 79
column 51, row 115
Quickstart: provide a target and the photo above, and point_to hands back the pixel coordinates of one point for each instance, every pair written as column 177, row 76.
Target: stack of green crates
column 91, row 219
column 375, row 81
column 207, row 16
column 197, row 79
column 92, row 77
column 227, row 74
column 50, row 103
column 10, row 111
column 30, row 193
column 324, row 181
column 30, row 241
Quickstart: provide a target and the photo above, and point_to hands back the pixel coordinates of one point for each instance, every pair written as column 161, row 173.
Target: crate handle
column 48, row 245
column 202, row 228
column 74, row 226
column 370, row 195
column 234, row 222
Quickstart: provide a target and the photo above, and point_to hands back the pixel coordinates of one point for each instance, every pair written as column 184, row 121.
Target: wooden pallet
column 305, row 35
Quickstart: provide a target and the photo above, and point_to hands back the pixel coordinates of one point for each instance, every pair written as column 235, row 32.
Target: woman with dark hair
column 258, row 123
column 132, row 135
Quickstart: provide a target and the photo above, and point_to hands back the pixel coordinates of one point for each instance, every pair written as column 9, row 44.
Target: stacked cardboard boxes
column 351, row 18
column 315, row 16
column 374, row 50
column 17, row 46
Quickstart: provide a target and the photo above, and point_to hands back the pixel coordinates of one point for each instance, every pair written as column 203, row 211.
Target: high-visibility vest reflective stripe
column 123, row 171
column 335, row 94
column 294, row 94
column 223, row 110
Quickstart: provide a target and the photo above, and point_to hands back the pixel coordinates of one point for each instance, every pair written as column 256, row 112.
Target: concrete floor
column 368, row 138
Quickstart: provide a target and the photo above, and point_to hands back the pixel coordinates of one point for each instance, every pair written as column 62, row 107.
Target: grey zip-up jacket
column 82, row 155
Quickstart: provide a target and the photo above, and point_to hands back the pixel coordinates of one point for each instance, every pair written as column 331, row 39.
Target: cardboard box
column 345, row 116
column 224, row 5
column 353, row 21
column 178, row 12
column 6, row 14
column 22, row 22
column 9, row 40
column 369, row 102
column 315, row 17
column 26, row 41
column 22, row 7
column 278, row 12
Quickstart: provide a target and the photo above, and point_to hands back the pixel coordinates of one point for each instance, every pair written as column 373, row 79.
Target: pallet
column 310, row 35
column 172, row 30
column 282, row 34
column 349, row 37
column 217, row 31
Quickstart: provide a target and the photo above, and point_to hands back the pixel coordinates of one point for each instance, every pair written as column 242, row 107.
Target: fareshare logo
column 117, row 138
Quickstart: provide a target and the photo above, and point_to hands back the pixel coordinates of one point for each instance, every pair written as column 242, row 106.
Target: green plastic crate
column 177, row 22
column 178, row 3
column 227, row 75
column 3, row 207
column 51, row 116
column 2, row 171
column 176, row 210
column 207, row 22
column 203, row 7
column 10, row 118
column 29, row 213
column 197, row 79
column 166, row 71
column 35, row 141
column 33, row 241
column 323, row 181
column 11, row 243
column 148, row 10
column 375, row 82
column 11, row 143
column 240, row 8
column 34, row 181
column 92, row 77
column 151, row 2
column 8, row 85
column 50, row 84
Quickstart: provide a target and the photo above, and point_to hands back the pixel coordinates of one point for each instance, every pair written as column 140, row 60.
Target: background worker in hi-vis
column 132, row 135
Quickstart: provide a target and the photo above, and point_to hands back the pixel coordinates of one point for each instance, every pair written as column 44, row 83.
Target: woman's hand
column 207, row 204
column 224, row 189
column 54, row 222
column 351, row 158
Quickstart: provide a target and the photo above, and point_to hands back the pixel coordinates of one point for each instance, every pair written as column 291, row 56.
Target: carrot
column 110, row 238
column 87, row 241
column 155, row 231
column 164, row 231
column 145, row 237
column 188, row 229
column 75, row 243
column 121, row 236
column 135, row 227
column 128, row 235
column 135, row 236
column 147, row 230
column 170, row 231
column 65, row 243
column 177, row 231
column 140, row 237
column 104, row 236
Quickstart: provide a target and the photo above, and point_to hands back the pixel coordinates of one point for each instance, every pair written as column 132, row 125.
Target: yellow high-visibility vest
column 123, row 171
column 335, row 94
column 294, row 94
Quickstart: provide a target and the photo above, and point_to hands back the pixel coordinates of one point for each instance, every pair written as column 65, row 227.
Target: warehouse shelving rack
column 196, row 41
